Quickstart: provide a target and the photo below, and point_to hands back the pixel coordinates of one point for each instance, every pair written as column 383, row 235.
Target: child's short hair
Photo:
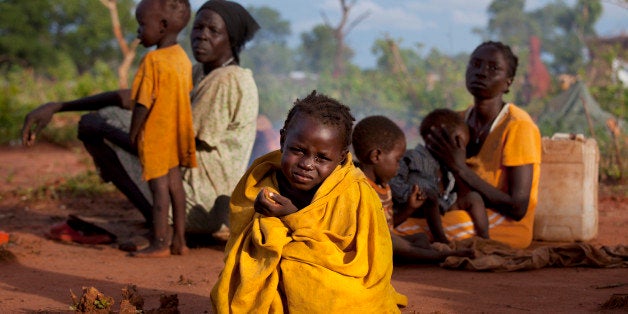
column 180, row 12
column 326, row 110
column 375, row 132
column 445, row 117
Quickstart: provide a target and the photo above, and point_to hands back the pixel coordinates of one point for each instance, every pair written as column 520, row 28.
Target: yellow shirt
column 162, row 84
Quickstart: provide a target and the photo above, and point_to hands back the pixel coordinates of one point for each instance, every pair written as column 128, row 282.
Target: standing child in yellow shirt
column 161, row 126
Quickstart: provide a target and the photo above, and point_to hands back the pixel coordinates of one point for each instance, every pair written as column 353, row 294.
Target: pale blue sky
column 443, row 24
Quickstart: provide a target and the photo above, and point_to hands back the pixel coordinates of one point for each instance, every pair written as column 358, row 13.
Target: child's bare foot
column 179, row 250
column 445, row 251
column 153, row 251
column 482, row 234
column 178, row 246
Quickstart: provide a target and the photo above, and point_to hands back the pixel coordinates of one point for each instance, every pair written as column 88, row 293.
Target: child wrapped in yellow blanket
column 308, row 231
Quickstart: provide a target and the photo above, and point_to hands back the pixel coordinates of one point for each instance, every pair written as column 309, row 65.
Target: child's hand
column 416, row 198
column 272, row 204
column 414, row 202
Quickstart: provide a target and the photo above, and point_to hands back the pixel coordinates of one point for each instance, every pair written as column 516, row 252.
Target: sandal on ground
column 65, row 233
column 135, row 243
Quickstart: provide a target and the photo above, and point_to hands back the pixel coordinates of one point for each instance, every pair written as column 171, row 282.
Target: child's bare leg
column 177, row 194
column 432, row 216
column 160, row 242
column 474, row 205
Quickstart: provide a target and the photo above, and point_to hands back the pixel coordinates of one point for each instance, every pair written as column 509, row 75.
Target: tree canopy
column 43, row 33
column 63, row 38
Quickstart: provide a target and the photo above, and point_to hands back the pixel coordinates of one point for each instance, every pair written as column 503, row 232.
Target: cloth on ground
column 334, row 255
column 491, row 255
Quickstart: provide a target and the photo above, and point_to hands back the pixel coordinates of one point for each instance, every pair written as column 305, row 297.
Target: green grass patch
column 86, row 184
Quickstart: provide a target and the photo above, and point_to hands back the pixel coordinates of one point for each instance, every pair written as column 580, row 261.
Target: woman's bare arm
column 37, row 119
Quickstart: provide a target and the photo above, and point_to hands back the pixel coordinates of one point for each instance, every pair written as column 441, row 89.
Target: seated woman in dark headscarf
column 224, row 112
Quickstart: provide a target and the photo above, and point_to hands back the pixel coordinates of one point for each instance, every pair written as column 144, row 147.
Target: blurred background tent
column 576, row 111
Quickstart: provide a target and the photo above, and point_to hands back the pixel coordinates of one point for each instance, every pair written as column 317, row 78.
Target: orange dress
column 514, row 140
column 163, row 84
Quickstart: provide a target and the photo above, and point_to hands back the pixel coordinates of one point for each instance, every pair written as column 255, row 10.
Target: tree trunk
column 339, row 62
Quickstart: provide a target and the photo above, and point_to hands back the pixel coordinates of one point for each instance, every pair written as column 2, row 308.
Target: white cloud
column 422, row 15
column 391, row 17
column 467, row 18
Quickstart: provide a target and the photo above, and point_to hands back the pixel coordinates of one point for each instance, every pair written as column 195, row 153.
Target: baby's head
column 452, row 121
column 314, row 140
column 160, row 17
column 379, row 144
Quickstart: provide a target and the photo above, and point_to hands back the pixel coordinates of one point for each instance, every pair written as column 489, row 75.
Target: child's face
column 310, row 152
column 487, row 73
column 149, row 18
column 388, row 164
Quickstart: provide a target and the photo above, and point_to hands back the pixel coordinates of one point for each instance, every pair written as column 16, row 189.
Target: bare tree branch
column 340, row 32
column 128, row 53
column 357, row 21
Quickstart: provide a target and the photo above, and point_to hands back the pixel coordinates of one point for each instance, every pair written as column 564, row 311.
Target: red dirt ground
column 38, row 274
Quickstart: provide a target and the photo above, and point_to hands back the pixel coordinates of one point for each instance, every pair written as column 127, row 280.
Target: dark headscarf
column 241, row 26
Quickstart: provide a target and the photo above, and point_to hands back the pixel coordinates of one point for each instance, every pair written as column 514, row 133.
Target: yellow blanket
column 333, row 256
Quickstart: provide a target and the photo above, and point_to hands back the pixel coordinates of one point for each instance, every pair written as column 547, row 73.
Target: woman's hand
column 450, row 151
column 272, row 204
column 36, row 120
